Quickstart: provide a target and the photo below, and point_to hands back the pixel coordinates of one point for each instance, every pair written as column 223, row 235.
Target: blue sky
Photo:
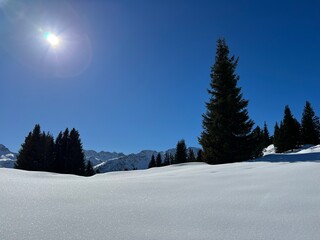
column 132, row 75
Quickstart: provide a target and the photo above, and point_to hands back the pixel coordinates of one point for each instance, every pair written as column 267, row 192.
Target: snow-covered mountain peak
column 7, row 158
column 4, row 150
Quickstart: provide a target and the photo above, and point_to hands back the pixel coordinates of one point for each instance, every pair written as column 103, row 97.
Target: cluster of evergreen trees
column 182, row 155
column 40, row 152
column 227, row 134
column 291, row 134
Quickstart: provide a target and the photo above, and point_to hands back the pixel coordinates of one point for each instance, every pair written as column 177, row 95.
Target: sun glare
column 52, row 39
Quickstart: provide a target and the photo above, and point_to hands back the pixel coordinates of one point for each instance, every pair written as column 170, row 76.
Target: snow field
column 250, row 200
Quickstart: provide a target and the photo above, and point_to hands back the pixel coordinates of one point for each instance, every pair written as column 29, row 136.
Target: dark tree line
column 291, row 134
column 182, row 155
column 40, row 152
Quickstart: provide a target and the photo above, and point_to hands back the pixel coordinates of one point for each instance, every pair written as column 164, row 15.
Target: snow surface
column 269, row 150
column 241, row 201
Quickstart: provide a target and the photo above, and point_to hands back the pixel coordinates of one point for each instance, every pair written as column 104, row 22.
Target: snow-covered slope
column 249, row 200
column 7, row 158
column 305, row 153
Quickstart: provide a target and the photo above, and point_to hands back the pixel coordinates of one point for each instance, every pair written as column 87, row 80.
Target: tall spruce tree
column 289, row 134
column 181, row 152
column 226, row 124
column 58, row 153
column 266, row 136
column 47, row 153
column 276, row 134
column 65, row 152
column 24, row 158
column 310, row 126
column 29, row 157
column 257, row 142
column 76, row 163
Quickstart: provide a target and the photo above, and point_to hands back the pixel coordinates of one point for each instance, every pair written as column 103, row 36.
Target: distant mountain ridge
column 7, row 158
column 102, row 161
column 121, row 162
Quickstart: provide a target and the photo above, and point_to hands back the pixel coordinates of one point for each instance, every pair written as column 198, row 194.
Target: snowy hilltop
column 305, row 153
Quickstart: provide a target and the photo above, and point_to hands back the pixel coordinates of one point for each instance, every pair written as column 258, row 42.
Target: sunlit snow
column 250, row 200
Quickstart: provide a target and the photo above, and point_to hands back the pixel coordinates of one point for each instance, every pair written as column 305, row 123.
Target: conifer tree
column 158, row 160
column 58, row 153
column 199, row 156
column 289, row 134
column 257, row 142
column 24, row 158
column 226, row 124
column 281, row 139
column 191, row 157
column 181, row 152
column 37, row 162
column 276, row 134
column 152, row 162
column 47, row 152
column 310, row 126
column 29, row 157
column 76, row 163
column 266, row 136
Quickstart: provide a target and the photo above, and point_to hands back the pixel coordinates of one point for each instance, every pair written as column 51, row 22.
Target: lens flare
column 52, row 39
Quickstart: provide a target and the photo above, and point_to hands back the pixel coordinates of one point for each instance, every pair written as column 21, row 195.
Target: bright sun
column 52, row 39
